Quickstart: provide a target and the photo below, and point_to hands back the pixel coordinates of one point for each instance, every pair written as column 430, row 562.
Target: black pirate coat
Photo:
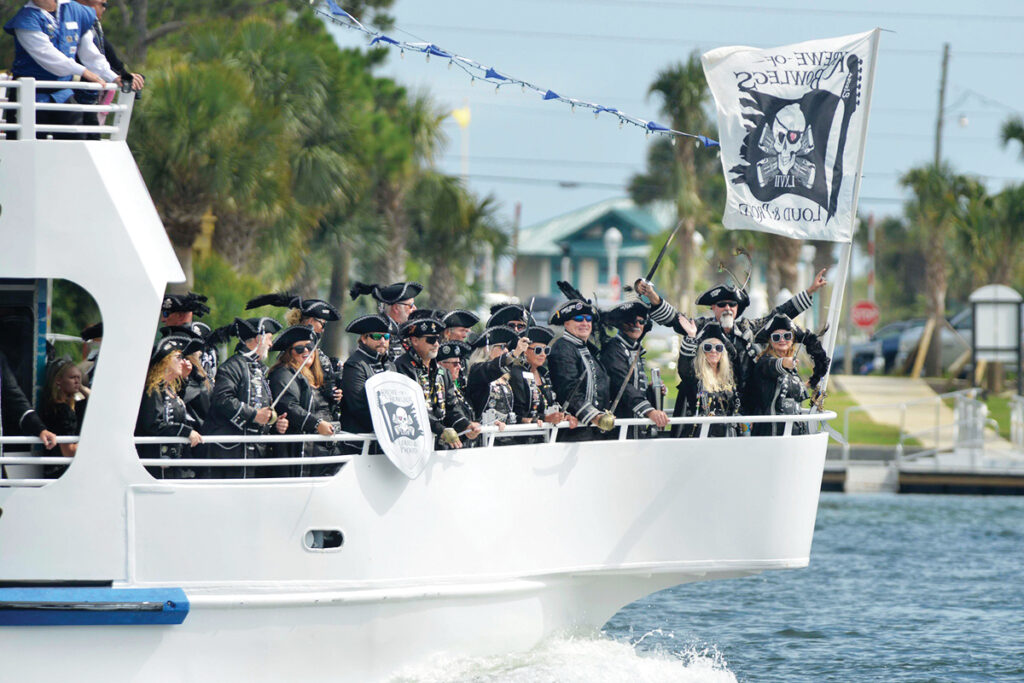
column 616, row 357
column 776, row 390
column 443, row 407
column 197, row 393
column 305, row 407
column 239, row 391
column 331, row 369
column 694, row 400
column 533, row 401
column 570, row 359
column 360, row 366
column 484, row 396
column 163, row 413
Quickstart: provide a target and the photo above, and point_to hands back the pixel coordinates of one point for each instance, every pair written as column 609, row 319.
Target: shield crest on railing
column 399, row 414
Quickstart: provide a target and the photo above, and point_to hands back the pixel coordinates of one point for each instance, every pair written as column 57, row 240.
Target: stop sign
column 864, row 314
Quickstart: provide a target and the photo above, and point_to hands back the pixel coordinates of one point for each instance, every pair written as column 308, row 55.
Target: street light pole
column 612, row 242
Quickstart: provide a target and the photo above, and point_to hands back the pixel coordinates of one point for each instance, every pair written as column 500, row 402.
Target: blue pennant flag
column 551, row 95
column 384, row 39
column 654, row 125
column 436, row 51
column 491, row 73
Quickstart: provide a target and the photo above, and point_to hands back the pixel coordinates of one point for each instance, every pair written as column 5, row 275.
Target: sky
column 549, row 160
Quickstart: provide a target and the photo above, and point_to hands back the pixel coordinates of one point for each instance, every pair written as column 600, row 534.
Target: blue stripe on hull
column 92, row 606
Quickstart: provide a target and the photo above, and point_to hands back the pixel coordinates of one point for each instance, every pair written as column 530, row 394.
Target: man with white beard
column 727, row 304
column 240, row 405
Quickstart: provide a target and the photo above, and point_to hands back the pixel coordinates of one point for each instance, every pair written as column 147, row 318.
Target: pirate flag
column 792, row 122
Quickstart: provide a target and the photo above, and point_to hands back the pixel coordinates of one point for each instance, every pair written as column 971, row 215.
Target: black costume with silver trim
column 240, row 390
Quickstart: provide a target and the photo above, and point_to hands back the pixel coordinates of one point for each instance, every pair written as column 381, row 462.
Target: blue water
column 900, row 588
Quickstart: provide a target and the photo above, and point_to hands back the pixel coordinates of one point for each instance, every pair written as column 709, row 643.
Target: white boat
column 129, row 578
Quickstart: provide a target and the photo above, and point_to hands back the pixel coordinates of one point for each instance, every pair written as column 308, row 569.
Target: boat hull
column 490, row 550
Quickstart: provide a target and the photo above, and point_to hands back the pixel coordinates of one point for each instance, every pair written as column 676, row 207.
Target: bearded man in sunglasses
column 369, row 358
column 638, row 399
column 580, row 382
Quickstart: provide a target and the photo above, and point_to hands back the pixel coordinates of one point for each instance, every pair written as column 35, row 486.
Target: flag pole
column 846, row 252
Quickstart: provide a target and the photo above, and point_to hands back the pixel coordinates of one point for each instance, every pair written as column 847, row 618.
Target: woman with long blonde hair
column 61, row 408
column 295, row 382
column 163, row 412
column 707, row 386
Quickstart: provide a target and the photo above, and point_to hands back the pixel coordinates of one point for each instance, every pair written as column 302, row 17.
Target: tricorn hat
column 172, row 343
column 387, row 294
column 368, row 324
column 540, row 335
column 310, row 308
column 496, row 336
column 184, row 303
column 572, row 308
column 627, row 312
column 503, row 314
column 711, row 330
column 421, row 313
column 453, row 349
column 777, row 322
column 720, row 293
column 421, row 327
column 460, row 318
column 292, row 335
column 92, row 332
column 250, row 327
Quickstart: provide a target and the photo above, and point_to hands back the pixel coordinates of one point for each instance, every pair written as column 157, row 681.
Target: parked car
column 878, row 353
column 954, row 341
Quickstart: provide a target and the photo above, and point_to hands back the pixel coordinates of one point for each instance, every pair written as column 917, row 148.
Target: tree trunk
column 337, row 296
column 397, row 228
column 184, row 254
column 935, row 276
column 442, row 285
column 683, row 289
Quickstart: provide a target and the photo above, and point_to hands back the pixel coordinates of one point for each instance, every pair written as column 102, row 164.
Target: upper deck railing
column 19, row 96
column 490, row 435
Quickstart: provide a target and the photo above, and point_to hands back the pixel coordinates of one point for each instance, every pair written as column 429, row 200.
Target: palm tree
column 684, row 94
column 934, row 210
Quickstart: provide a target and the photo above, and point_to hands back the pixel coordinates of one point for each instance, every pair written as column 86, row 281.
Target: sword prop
column 661, row 254
column 273, row 417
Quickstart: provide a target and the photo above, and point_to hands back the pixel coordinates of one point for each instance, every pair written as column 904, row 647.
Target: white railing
column 25, row 127
column 490, row 433
column 1017, row 422
column 965, row 431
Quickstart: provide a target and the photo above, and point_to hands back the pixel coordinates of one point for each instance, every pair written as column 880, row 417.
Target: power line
column 654, row 40
column 892, row 14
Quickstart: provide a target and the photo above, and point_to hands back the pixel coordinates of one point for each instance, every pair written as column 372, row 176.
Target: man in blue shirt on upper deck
column 48, row 36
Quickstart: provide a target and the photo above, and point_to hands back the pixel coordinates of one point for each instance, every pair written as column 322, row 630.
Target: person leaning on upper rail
column 638, row 399
column 579, row 380
column 395, row 302
column 60, row 407
column 16, row 411
column 135, row 81
column 48, row 37
column 447, row 419
column 775, row 387
column 295, row 382
column 242, row 398
column 369, row 358
column 162, row 412
column 707, row 387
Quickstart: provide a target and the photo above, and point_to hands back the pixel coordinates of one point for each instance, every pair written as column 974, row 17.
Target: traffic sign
column 864, row 314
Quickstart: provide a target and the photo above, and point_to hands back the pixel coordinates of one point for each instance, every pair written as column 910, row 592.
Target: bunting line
column 479, row 72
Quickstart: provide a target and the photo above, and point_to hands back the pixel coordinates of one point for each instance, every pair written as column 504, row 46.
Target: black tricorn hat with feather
column 310, row 308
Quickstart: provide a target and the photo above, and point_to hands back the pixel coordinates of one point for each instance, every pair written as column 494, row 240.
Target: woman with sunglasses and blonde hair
column 775, row 386
column 707, row 385
column 163, row 412
column 534, row 399
column 295, row 381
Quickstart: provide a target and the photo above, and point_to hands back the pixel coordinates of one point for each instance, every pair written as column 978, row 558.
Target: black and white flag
column 792, row 123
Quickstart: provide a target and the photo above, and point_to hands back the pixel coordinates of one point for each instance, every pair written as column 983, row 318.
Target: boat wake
column 571, row 659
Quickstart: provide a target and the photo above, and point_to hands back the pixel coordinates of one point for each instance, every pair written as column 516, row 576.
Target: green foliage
column 227, row 289
column 72, row 309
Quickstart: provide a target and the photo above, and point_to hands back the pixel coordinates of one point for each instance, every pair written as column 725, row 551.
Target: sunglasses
column 727, row 304
column 709, row 347
column 583, row 318
column 517, row 326
column 303, row 348
column 541, row 349
column 782, row 336
column 431, row 339
column 377, row 336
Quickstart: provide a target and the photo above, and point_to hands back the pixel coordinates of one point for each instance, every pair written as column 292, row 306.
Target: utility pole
column 942, row 105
